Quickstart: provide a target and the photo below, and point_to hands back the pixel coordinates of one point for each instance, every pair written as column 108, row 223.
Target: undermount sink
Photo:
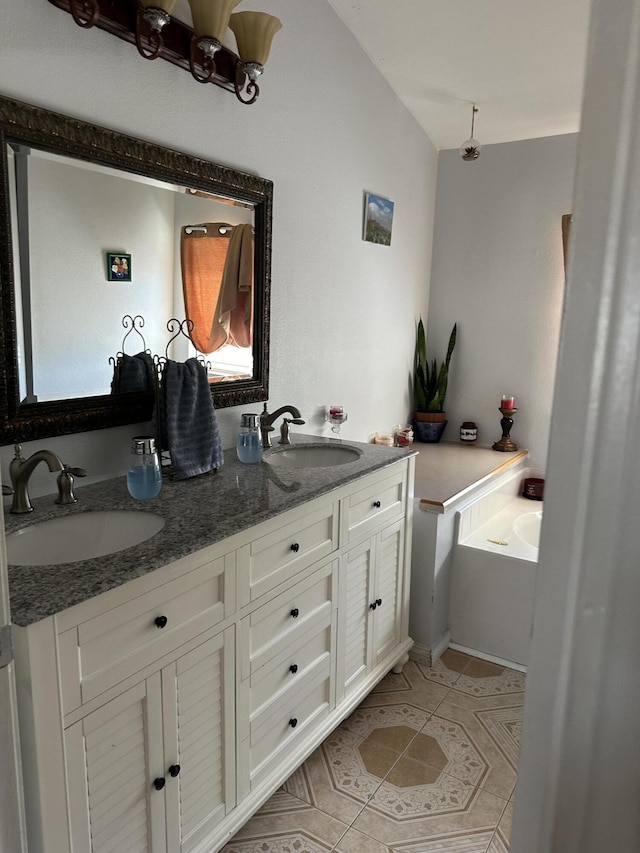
column 81, row 536
column 311, row 456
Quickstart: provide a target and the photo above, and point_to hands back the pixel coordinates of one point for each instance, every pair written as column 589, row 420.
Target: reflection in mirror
column 70, row 215
column 187, row 239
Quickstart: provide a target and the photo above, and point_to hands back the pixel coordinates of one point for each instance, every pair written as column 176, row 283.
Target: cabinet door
column 354, row 616
column 387, row 593
column 198, row 692
column 113, row 757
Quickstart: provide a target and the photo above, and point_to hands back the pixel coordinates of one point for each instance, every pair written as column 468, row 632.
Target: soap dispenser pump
column 144, row 477
column 249, row 445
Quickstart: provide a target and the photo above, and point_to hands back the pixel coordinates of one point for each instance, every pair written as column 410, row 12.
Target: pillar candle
column 507, row 403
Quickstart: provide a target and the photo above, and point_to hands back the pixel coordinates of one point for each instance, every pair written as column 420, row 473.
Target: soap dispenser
column 249, row 443
column 144, row 477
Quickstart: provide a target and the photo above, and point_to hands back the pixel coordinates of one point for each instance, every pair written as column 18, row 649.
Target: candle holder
column 336, row 417
column 506, row 445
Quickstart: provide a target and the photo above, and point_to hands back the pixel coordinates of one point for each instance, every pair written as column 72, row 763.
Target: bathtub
column 493, row 575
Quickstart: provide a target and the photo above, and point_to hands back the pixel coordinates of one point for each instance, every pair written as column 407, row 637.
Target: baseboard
column 491, row 658
column 428, row 656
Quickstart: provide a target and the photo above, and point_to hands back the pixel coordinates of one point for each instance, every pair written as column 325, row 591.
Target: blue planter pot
column 428, row 432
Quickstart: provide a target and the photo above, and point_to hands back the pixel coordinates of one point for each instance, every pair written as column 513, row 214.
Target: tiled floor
column 426, row 764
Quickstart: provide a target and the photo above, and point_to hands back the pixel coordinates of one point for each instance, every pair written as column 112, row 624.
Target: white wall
column 75, row 217
column 325, row 129
column 498, row 271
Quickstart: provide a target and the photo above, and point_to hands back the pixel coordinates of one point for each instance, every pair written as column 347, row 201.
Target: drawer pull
column 373, row 605
column 377, row 504
column 295, row 547
column 379, row 602
column 160, row 621
column 174, row 770
column 295, row 613
column 159, row 783
column 293, row 722
column 293, row 668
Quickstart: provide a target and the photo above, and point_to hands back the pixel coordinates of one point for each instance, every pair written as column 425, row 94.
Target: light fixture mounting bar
column 118, row 17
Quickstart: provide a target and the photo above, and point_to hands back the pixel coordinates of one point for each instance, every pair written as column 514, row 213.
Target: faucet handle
column 6, row 490
column 65, row 484
column 297, row 421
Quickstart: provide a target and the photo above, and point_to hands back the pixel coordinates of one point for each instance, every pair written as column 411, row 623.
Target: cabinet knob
column 160, row 621
column 377, row 504
column 379, row 602
column 293, row 722
column 295, row 613
column 174, row 770
column 373, row 605
column 159, row 783
column 293, row 668
column 295, row 547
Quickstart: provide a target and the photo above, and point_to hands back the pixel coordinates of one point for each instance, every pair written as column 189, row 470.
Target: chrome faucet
column 20, row 469
column 267, row 421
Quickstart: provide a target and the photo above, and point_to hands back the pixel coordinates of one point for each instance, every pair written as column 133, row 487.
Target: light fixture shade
column 166, row 5
column 254, row 33
column 211, row 17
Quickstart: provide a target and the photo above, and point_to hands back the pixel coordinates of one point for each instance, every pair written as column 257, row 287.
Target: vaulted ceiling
column 521, row 62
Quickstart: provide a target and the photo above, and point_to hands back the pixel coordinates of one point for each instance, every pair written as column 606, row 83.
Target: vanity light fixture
column 85, row 12
column 152, row 15
column 150, row 26
column 210, row 23
column 470, row 149
column 254, row 32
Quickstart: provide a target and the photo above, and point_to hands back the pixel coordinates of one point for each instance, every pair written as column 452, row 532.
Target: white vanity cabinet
column 153, row 768
column 373, row 589
column 158, row 716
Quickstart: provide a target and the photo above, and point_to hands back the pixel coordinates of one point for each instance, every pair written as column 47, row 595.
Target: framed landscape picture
column 118, row 266
column 378, row 219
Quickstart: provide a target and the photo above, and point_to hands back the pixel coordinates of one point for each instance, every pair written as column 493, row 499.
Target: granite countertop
column 197, row 512
column 447, row 471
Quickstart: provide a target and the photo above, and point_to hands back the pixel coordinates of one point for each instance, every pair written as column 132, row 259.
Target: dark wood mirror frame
column 30, row 125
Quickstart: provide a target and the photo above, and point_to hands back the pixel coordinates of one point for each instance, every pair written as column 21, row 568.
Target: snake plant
column 430, row 382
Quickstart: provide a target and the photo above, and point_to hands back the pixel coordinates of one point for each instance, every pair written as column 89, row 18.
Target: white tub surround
column 493, row 574
column 449, row 476
column 172, row 688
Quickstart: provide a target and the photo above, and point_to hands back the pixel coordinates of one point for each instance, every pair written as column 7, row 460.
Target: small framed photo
column 378, row 219
column 118, row 266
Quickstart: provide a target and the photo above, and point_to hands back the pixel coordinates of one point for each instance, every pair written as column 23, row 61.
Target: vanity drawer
column 289, row 668
column 278, row 556
column 381, row 500
column 290, row 719
column 287, row 619
column 102, row 651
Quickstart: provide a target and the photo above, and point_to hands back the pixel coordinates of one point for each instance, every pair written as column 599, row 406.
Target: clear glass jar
column 144, row 477
column 249, row 444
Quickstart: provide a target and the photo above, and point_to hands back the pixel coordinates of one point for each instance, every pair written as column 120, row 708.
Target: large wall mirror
column 107, row 239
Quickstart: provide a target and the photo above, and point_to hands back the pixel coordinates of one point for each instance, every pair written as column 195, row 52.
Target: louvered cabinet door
column 356, row 590
column 388, row 590
column 198, row 693
column 113, row 757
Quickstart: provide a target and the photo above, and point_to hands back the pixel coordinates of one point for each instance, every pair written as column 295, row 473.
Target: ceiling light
column 470, row 149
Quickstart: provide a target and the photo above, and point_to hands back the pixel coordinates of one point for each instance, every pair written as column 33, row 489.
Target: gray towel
column 192, row 434
column 133, row 373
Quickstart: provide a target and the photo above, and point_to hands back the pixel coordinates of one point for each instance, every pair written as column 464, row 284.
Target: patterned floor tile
column 408, row 686
column 421, row 814
column 385, row 714
column 500, row 840
column 357, row 842
column 306, row 830
column 481, row 678
column 479, row 750
column 336, row 778
column 447, row 669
